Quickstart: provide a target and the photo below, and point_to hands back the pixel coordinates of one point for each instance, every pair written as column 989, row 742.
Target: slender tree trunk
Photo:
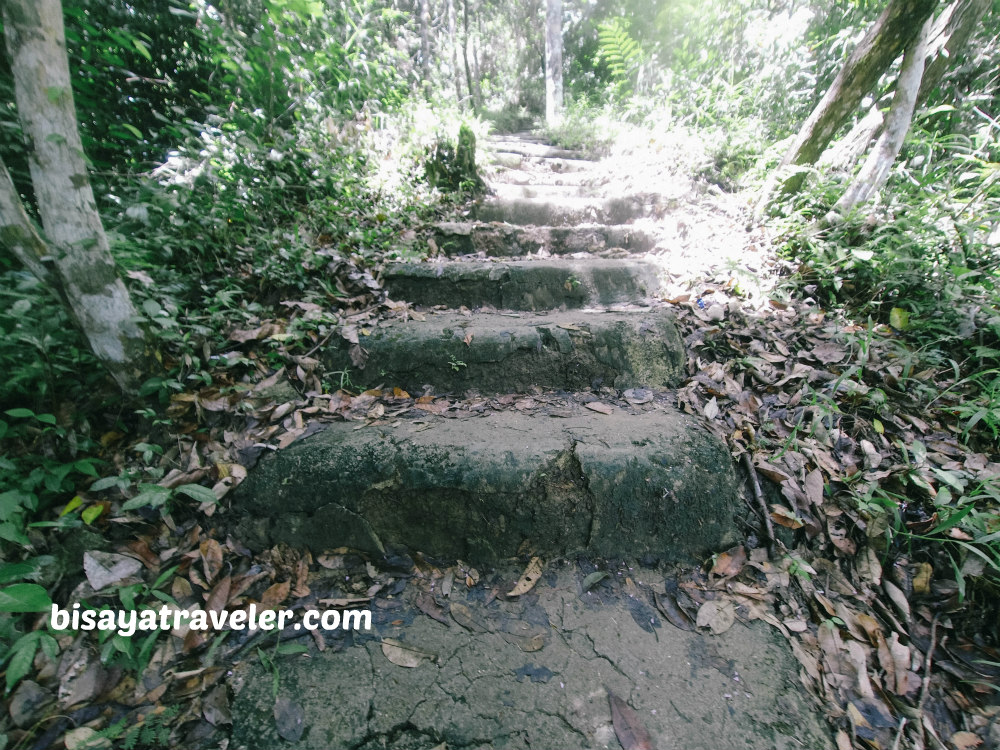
column 83, row 268
column 553, row 62
column 951, row 32
column 453, row 38
column 425, row 46
column 899, row 23
column 876, row 168
column 18, row 233
column 472, row 84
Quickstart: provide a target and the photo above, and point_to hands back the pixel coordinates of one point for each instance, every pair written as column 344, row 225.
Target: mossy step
column 481, row 488
column 522, row 285
column 569, row 209
column 506, row 353
column 500, row 240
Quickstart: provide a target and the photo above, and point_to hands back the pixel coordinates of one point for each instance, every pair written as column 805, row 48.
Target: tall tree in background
column 553, row 62
column 74, row 258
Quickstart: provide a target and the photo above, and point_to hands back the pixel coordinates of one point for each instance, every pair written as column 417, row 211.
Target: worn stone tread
column 482, row 488
column 506, row 353
column 500, row 240
column 569, row 210
column 736, row 691
column 522, row 285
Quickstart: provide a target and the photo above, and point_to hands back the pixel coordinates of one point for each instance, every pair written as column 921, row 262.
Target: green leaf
column 954, row 520
column 20, row 413
column 899, row 318
column 24, row 597
column 20, row 662
column 103, row 484
column 197, row 492
column 91, row 514
column 593, row 579
column 13, row 502
column 142, row 49
column 153, row 496
column 13, row 532
column 47, row 418
column 72, row 505
column 291, row 648
column 132, row 129
column 86, row 467
column 15, row 571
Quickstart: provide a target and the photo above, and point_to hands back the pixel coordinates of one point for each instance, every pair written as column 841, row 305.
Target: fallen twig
column 762, row 504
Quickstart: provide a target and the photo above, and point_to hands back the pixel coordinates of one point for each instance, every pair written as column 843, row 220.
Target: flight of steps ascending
column 587, row 457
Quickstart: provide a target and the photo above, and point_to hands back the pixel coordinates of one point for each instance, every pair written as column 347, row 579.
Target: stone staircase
column 559, row 298
column 597, row 464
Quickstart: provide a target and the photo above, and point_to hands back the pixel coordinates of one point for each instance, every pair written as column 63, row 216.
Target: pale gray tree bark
column 553, row 62
column 891, row 33
column 875, row 170
column 81, row 264
column 425, row 45
column 951, row 31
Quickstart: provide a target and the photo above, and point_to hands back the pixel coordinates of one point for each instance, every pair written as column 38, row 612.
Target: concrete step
column 517, row 176
column 536, row 150
column 506, row 353
column 568, row 210
column 536, row 163
column 499, row 240
column 550, row 193
column 530, row 672
column 486, row 487
column 522, row 285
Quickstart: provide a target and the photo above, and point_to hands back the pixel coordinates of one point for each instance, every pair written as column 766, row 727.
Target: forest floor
column 822, row 415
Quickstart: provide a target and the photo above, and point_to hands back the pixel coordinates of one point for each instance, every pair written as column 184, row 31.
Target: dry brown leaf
column 528, row 578
column 718, row 615
column 628, row 726
column 464, row 617
column 965, row 740
column 600, row 407
column 404, row 655
column 730, row 562
column 218, row 597
column 275, row 594
column 426, row 604
column 211, row 559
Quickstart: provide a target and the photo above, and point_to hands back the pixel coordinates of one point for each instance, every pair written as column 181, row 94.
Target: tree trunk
column 553, row 62
column 949, row 36
column 876, row 168
column 951, row 32
column 82, row 264
column 425, row 46
column 899, row 23
column 452, row 36
column 472, row 85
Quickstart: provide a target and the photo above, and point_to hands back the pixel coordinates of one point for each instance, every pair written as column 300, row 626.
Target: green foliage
column 151, row 732
column 621, row 53
column 452, row 167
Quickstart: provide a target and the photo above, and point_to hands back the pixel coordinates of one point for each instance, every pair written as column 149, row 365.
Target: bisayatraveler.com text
column 128, row 622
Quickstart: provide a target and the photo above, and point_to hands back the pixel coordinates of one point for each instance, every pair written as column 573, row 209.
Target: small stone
column 27, row 702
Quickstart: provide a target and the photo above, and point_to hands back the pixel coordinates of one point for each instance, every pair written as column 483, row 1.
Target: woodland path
column 545, row 307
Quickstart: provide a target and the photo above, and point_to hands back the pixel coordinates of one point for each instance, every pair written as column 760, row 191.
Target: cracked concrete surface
column 480, row 488
column 496, row 690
